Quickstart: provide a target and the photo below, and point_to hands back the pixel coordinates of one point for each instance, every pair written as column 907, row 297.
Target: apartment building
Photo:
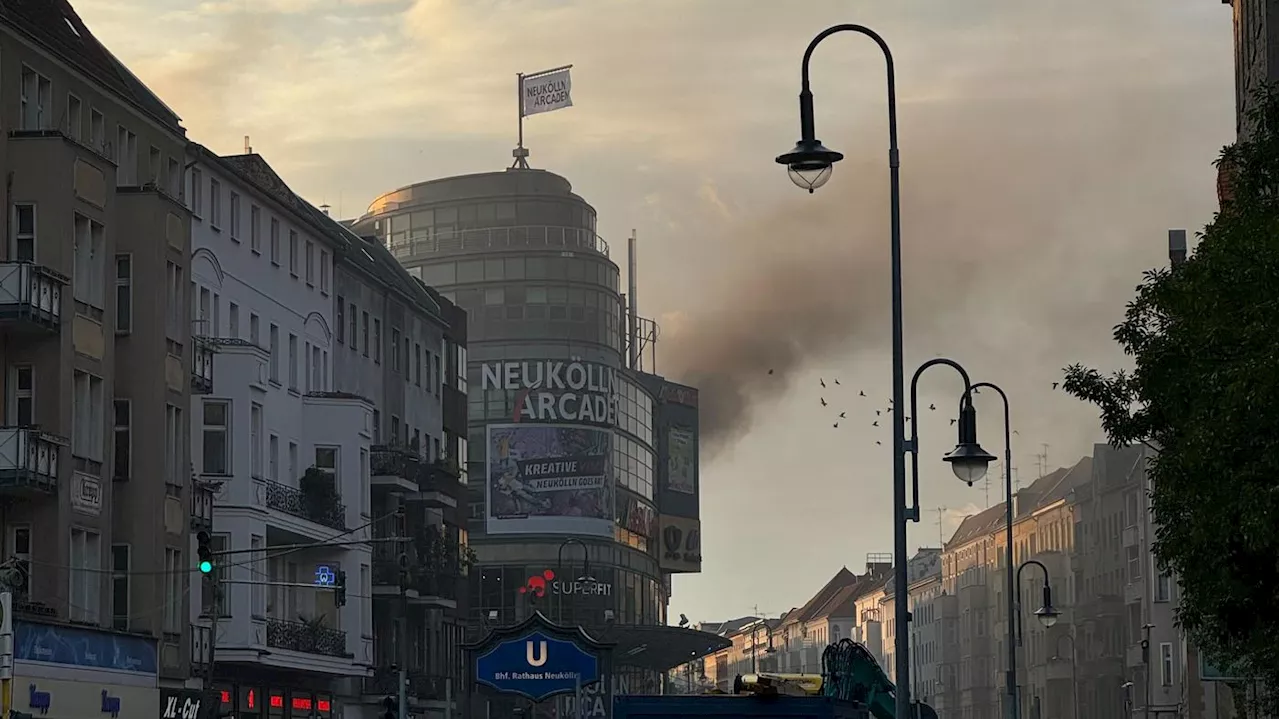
column 99, row 367
column 932, row 612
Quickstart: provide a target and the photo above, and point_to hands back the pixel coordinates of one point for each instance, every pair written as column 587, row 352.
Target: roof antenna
column 248, row 149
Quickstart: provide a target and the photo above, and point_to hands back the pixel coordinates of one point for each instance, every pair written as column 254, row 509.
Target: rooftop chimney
column 1177, row 247
column 248, row 149
column 325, row 210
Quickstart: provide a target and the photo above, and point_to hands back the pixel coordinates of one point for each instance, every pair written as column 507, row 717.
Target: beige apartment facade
column 96, row 344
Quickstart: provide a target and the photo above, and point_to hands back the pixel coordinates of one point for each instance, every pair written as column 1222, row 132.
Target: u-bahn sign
column 538, row 659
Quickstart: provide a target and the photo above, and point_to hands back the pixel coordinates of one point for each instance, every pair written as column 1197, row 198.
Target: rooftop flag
column 537, row 93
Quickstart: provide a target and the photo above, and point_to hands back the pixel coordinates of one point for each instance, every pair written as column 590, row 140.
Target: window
column 435, row 373
column 74, row 119
column 1164, row 587
column 216, row 443
column 97, row 130
column 1167, row 666
column 87, row 427
column 309, row 262
column 417, row 364
column 235, row 216
column 197, row 192
column 395, row 349
column 377, row 341
column 258, row 556
column 364, row 332
column 339, row 326
column 124, row 294
column 395, row 430
column 90, row 262
column 324, row 271
column 315, row 381
column 153, row 166
column 255, row 440
column 37, row 100
column 22, row 396
column 293, row 362
column 1134, row 560
column 293, row 461
column 174, row 574
column 122, row 422
column 351, row 324
column 19, row 547
column 366, row 608
column 275, row 241
column 365, row 483
column 174, row 289
column 273, row 459
column 176, row 439
column 377, row 427
column 255, row 228
column 84, row 598
column 293, row 253
column 120, row 587
column 274, row 339
column 215, row 203
column 24, row 233
column 327, row 461
column 126, row 157
column 174, row 184
column 254, row 330
column 233, row 320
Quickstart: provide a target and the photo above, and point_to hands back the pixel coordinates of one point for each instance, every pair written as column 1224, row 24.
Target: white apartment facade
column 287, row 457
column 926, row 598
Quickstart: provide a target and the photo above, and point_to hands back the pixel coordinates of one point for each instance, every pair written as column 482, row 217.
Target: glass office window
column 514, row 268
column 493, row 270
column 471, row 271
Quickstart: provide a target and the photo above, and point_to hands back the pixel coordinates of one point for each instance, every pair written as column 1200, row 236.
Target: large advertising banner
column 549, row 479
column 682, row 460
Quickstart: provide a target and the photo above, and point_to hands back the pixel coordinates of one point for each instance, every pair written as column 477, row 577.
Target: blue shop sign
column 537, row 666
column 83, row 648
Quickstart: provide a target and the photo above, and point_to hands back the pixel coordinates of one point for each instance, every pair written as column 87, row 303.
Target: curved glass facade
column 518, row 250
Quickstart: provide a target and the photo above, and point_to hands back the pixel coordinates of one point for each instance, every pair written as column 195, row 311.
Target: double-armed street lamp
column 809, row 165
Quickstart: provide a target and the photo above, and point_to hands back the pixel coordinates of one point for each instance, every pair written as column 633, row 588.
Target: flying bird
column 824, row 384
column 953, row 421
column 877, row 413
column 889, row 410
column 1055, row 385
column 931, row 407
column 770, row 371
column 823, row 401
column 906, row 419
column 842, row 415
column 861, row 393
column 836, row 380
column 836, row 425
column 1016, row 432
column 876, row 423
column 877, row 441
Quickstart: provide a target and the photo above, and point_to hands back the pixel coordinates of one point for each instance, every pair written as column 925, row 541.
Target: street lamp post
column 1047, row 614
column 1011, row 671
column 754, row 652
column 809, row 165
column 1075, row 685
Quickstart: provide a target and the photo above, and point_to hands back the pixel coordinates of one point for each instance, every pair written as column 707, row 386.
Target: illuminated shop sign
column 540, row 585
column 556, row 391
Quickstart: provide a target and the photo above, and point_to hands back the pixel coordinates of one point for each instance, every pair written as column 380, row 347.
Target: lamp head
column 809, row 164
column 1048, row 615
column 968, row 460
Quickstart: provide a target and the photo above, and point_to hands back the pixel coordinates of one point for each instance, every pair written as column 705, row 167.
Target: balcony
column 306, row 637
column 31, row 297
column 393, row 467
column 421, row 686
column 202, row 351
column 439, row 482
column 316, row 501
column 202, row 497
column 29, row 461
column 1133, row 592
column 434, row 572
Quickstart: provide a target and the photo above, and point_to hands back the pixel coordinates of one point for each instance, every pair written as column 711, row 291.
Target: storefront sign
column 83, row 647
column 89, row 699
column 537, row 666
column 546, row 583
column 678, row 394
column 556, row 391
column 681, row 544
column 181, row 704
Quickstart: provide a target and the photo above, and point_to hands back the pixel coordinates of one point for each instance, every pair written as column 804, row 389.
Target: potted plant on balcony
column 319, row 494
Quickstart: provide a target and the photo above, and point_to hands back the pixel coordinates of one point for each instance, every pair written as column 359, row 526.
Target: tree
column 1202, row 335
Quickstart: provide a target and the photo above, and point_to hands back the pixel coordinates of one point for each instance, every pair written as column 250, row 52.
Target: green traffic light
column 206, row 567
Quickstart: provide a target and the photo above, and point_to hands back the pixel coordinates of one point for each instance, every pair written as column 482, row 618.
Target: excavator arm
column 851, row 672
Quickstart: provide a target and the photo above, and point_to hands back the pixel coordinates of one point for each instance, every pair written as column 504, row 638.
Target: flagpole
column 520, row 154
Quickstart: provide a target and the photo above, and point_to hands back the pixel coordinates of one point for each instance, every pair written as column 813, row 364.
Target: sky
column 1046, row 150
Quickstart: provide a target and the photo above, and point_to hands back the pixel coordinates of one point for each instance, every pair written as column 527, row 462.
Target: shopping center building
column 584, row 470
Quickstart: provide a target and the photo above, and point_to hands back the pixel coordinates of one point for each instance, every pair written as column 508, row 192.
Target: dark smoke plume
column 1029, row 220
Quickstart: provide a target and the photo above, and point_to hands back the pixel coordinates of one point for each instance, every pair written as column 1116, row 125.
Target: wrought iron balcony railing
column 29, row 460
column 202, row 351
column 391, row 461
column 306, row 637
column 31, row 295
column 319, row 509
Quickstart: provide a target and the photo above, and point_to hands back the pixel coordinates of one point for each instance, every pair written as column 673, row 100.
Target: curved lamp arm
column 806, row 97
column 1018, row 586
column 912, row 445
column 586, row 555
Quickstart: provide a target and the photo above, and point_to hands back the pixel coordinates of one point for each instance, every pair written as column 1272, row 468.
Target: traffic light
column 340, row 589
column 390, row 710
column 204, row 552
